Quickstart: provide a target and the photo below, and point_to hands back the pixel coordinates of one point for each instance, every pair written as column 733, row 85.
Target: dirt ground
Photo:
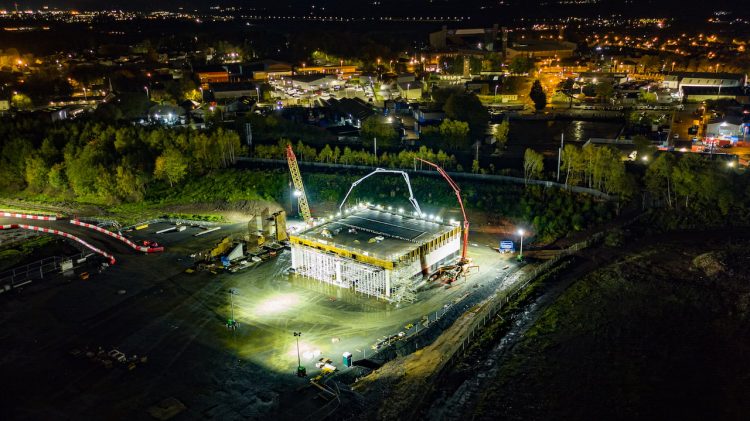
column 660, row 332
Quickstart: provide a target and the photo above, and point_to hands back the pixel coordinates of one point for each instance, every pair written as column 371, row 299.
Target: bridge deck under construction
column 374, row 251
column 381, row 234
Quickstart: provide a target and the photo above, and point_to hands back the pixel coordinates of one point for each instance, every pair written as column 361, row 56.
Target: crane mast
column 457, row 190
column 299, row 188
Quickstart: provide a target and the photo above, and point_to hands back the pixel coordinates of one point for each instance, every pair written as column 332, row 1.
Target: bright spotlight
column 277, row 304
column 521, row 231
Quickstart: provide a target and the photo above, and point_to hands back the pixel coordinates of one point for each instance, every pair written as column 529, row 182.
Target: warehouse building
column 375, row 251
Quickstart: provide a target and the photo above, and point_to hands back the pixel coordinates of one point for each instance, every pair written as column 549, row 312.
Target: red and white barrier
column 29, row 216
column 63, row 234
column 118, row 236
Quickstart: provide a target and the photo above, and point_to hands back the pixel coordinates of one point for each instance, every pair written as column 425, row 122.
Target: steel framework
column 304, row 208
column 344, row 273
column 412, row 200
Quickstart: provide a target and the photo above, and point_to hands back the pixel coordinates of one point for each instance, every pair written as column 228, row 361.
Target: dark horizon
column 470, row 8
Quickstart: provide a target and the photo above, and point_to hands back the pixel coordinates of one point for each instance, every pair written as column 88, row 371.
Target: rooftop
column 708, row 75
column 378, row 233
column 309, row 78
column 231, row 86
column 540, row 45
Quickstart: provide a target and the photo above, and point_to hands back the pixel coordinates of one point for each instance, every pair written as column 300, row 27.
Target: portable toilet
column 347, row 359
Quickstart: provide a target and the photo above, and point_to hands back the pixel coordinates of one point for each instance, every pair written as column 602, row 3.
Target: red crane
column 457, row 190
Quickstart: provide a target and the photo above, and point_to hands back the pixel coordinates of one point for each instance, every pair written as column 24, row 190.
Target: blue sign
column 507, row 246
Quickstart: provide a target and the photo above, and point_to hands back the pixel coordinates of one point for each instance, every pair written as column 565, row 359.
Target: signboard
column 507, row 246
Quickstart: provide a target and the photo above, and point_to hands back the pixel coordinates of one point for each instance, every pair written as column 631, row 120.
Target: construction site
column 377, row 250
column 365, row 282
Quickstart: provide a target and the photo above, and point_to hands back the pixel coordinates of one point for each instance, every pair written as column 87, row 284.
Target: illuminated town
column 374, row 210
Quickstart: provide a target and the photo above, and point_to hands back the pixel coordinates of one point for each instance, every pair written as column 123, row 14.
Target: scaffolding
column 345, row 273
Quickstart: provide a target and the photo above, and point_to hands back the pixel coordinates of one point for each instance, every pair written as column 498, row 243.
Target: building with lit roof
column 375, row 251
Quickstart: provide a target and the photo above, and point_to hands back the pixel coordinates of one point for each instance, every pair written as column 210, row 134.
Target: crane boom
column 457, row 190
column 412, row 199
column 304, row 208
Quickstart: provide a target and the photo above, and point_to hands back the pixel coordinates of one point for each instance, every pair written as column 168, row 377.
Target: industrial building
column 539, row 49
column 374, row 250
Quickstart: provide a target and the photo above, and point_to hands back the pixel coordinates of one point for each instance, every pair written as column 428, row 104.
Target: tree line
column 349, row 156
column 106, row 163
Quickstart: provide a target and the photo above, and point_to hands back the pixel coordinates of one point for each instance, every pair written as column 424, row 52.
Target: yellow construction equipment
column 299, row 188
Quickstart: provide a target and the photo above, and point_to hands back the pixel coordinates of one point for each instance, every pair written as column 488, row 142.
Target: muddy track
column 455, row 400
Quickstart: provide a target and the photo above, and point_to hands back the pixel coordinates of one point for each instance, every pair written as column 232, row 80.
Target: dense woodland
column 101, row 163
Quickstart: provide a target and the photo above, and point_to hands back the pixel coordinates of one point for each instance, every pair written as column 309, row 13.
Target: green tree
column 376, row 127
column 326, row 154
column 538, row 96
column 605, row 91
column 12, row 162
column 573, row 164
column 21, row 101
column 171, row 166
column 36, row 172
column 520, row 65
column 455, row 134
column 659, row 178
column 500, row 132
column 56, row 177
column 533, row 164
column 468, row 108
column 130, row 186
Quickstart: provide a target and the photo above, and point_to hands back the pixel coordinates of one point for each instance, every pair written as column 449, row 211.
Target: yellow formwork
column 385, row 264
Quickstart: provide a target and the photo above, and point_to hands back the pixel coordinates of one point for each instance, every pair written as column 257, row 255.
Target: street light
column 301, row 371
column 521, row 232
column 148, row 95
column 231, row 323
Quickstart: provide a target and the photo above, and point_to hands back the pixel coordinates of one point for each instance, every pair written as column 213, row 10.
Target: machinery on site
column 448, row 274
column 299, row 188
column 266, row 235
column 380, row 251
column 412, row 200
